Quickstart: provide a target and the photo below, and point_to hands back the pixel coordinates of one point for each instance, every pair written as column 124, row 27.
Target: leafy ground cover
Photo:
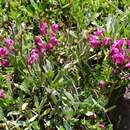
column 64, row 64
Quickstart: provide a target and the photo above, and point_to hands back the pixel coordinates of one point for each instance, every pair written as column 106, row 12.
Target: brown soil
column 121, row 116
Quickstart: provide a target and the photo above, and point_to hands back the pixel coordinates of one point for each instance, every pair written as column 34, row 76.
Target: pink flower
column 2, row 93
column 101, row 84
column 129, row 50
column 126, row 77
column 39, row 43
column 53, row 40
column 38, row 39
column 43, row 28
column 5, row 63
column 33, row 57
column 119, row 43
column 127, row 65
column 9, row 42
column 3, row 52
column 35, row 50
column 92, row 37
column 114, row 50
column 118, row 58
column 129, row 43
column 94, row 42
column 99, row 32
column 54, row 27
column 102, row 126
column 49, row 46
column 106, row 41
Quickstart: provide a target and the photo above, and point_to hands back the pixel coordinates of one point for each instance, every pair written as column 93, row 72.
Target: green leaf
column 47, row 111
column 33, row 118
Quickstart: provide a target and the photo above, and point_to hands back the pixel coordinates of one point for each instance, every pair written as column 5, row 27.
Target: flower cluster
column 118, row 54
column 41, row 45
column 97, row 39
column 4, row 51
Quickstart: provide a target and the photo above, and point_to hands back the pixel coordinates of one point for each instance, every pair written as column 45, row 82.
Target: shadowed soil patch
column 121, row 116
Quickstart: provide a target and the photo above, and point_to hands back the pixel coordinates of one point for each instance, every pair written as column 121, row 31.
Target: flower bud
column 106, row 41
column 54, row 27
column 101, row 84
column 102, row 126
column 2, row 94
column 5, row 63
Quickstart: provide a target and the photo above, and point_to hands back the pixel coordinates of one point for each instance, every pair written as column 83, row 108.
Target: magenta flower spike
column 43, row 28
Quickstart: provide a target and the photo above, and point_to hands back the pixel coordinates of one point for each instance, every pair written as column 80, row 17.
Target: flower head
column 94, row 42
column 9, row 42
column 3, row 52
